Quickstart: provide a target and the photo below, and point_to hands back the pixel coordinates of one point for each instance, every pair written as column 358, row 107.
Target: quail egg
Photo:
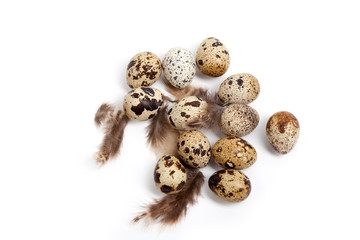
column 143, row 103
column 212, row 57
column 187, row 110
column 194, row 148
column 283, row 130
column 179, row 67
column 238, row 120
column 233, row 152
column 169, row 174
column 239, row 88
column 143, row 70
column 230, row 185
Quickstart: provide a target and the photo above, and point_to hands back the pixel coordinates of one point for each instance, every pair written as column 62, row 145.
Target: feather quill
column 172, row 208
column 114, row 122
column 161, row 136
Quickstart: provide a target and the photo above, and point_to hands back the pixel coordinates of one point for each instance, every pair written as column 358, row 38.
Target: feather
column 209, row 120
column 171, row 208
column 161, row 136
column 102, row 112
column 200, row 92
column 114, row 123
column 166, row 98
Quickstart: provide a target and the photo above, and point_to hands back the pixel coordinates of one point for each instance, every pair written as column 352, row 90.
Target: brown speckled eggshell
column 194, row 148
column 143, row 103
column 169, row 174
column 238, row 120
column 239, row 88
column 143, row 70
column 212, row 57
column 187, row 110
column 233, row 152
column 230, row 185
column 283, row 130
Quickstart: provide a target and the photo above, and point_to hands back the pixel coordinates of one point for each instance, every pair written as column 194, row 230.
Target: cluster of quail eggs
column 237, row 119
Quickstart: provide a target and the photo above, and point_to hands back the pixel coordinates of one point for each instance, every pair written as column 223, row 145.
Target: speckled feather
column 114, row 123
column 200, row 92
column 102, row 112
column 161, row 136
column 170, row 209
column 210, row 119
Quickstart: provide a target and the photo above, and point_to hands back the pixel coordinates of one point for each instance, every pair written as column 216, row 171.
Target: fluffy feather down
column 113, row 122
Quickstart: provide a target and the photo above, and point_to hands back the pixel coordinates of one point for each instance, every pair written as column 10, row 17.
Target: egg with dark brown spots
column 188, row 110
column 179, row 67
column 230, row 185
column 238, row 120
column 212, row 57
column 143, row 103
column 233, row 152
column 283, row 130
column 194, row 148
column 239, row 88
column 170, row 175
column 143, row 70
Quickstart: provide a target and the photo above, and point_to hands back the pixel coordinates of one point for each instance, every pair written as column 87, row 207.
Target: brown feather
column 211, row 118
column 114, row 127
column 170, row 209
column 102, row 112
column 184, row 92
column 161, row 136
column 166, row 98
column 200, row 92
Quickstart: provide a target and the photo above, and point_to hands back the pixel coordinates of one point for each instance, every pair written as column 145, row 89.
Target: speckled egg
column 239, row 88
column 283, row 130
column 170, row 175
column 179, row 67
column 230, row 185
column 187, row 110
column 212, row 57
column 194, row 148
column 238, row 120
column 233, row 152
column 143, row 70
column 143, row 103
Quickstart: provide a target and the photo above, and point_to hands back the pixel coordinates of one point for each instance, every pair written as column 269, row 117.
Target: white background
column 59, row 60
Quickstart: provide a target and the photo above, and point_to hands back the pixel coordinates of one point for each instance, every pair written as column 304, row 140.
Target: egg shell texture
column 212, row 57
column 194, row 148
column 238, row 120
column 187, row 110
column 179, row 67
column 169, row 175
column 143, row 103
column 283, row 130
column 143, row 70
column 239, row 88
column 233, row 152
column 230, row 185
